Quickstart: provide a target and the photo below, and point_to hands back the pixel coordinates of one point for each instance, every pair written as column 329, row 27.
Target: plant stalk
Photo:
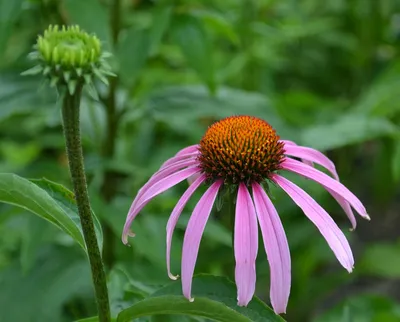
column 70, row 115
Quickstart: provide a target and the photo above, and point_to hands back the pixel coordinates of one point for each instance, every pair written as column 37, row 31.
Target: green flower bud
column 69, row 57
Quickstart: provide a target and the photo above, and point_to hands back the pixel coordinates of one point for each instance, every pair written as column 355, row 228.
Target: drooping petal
column 326, row 181
column 276, row 247
column 291, row 143
column 188, row 149
column 173, row 219
column 345, row 206
column 317, row 157
column 193, row 178
column 163, row 173
column 194, row 231
column 245, row 246
column 288, row 142
column 313, row 155
column 325, row 224
column 158, row 187
column 181, row 157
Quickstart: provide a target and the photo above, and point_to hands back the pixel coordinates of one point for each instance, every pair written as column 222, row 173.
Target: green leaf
column 91, row 16
column 363, row 308
column 93, row 319
column 219, row 24
column 215, row 299
column 190, row 109
column 48, row 200
column 132, row 54
column 380, row 98
column 34, row 236
column 61, row 274
column 190, row 35
column 215, row 231
column 349, row 129
column 161, row 20
column 19, row 94
column 9, row 12
column 381, row 260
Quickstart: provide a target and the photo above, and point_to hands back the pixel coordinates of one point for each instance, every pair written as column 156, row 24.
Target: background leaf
column 215, row 298
column 90, row 15
column 350, row 129
column 9, row 12
column 381, row 260
column 46, row 199
column 132, row 53
column 189, row 34
column 51, row 282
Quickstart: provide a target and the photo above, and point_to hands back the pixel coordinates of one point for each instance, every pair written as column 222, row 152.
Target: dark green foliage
column 324, row 74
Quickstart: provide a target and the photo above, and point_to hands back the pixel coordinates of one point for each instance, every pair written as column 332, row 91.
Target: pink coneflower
column 245, row 152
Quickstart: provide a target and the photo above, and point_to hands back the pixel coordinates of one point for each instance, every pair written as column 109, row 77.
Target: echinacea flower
column 245, row 152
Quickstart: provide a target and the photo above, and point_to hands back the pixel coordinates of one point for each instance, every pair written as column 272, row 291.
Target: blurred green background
column 324, row 74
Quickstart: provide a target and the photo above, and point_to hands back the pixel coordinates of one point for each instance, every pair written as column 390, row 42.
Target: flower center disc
column 240, row 149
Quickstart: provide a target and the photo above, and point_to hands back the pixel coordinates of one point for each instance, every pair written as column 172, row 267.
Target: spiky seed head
column 240, row 149
column 69, row 57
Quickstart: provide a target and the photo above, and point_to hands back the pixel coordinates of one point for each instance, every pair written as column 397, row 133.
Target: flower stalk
column 71, row 124
column 71, row 60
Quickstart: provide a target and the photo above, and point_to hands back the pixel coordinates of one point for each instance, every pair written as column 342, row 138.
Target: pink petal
column 327, row 182
column 245, row 246
column 276, row 247
column 173, row 219
column 315, row 156
column 193, row 178
column 290, row 144
column 181, row 157
column 312, row 155
column 158, row 187
column 325, row 224
column 188, row 149
column 163, row 173
column 194, row 231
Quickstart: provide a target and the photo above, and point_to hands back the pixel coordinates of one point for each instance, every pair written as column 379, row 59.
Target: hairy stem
column 70, row 114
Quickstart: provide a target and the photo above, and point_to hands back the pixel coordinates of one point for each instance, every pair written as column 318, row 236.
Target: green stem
column 70, row 114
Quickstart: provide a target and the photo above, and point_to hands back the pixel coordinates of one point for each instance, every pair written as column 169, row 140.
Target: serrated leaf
column 189, row 34
column 48, row 200
column 215, row 299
